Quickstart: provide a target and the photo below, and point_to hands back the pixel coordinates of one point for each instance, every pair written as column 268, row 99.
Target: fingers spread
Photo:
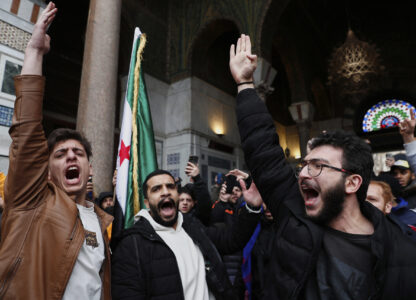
column 243, row 42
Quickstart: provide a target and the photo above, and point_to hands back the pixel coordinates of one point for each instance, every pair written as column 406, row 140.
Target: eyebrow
column 169, row 184
column 65, row 149
column 317, row 159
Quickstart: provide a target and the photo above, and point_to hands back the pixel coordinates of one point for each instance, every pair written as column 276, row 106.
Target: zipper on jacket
column 10, row 275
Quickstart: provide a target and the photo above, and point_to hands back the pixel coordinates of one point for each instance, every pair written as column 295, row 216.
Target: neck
column 80, row 199
column 351, row 220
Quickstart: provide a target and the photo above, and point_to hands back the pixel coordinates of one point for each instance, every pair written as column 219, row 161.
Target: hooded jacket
column 144, row 267
column 41, row 231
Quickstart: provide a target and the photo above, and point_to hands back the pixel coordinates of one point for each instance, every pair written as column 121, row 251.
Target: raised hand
column 238, row 173
column 407, row 128
column 39, row 43
column 192, row 169
column 223, row 193
column 242, row 62
column 252, row 195
column 40, row 40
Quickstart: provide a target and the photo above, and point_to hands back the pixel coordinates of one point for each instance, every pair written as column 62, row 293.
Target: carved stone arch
column 209, row 56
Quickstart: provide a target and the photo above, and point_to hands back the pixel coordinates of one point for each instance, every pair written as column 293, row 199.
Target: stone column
column 302, row 114
column 304, row 135
column 97, row 99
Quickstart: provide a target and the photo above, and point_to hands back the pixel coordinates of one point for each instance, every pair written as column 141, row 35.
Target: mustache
column 305, row 183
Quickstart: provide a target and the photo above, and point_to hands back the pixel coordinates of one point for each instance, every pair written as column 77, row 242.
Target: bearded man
column 330, row 243
column 170, row 255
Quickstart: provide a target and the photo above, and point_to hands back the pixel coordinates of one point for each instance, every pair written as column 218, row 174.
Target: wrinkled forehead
column 326, row 153
column 160, row 180
column 67, row 144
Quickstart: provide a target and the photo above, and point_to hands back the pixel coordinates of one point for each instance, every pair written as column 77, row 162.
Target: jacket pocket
column 9, row 276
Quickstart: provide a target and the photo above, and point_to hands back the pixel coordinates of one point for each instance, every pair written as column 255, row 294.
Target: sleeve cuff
column 253, row 210
column 410, row 148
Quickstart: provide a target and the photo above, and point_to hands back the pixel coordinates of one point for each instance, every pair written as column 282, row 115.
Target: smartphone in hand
column 193, row 159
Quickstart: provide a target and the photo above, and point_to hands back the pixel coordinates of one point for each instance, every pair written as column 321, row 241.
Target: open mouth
column 310, row 195
column 72, row 175
column 167, row 208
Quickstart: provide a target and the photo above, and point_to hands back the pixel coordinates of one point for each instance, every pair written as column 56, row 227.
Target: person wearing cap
column 105, row 201
column 402, row 172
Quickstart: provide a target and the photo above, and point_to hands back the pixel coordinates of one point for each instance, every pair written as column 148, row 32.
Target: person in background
column 216, row 187
column 186, row 200
column 106, row 201
column 194, row 197
column 380, row 195
column 2, row 179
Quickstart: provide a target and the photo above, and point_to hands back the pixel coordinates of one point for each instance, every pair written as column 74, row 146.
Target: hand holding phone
column 192, row 169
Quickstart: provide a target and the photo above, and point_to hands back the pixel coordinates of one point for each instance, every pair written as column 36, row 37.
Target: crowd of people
column 328, row 229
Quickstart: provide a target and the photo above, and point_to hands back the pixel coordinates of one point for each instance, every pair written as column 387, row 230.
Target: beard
column 333, row 201
column 154, row 212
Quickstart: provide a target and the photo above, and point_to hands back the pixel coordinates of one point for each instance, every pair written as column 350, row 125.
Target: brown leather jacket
column 41, row 229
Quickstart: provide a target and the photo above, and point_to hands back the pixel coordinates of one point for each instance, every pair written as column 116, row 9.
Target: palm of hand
column 242, row 67
column 407, row 127
column 252, row 196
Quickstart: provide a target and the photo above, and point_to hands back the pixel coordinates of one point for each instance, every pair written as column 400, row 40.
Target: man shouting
column 54, row 244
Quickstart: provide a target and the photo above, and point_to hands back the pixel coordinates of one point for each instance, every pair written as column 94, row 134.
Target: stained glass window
column 386, row 114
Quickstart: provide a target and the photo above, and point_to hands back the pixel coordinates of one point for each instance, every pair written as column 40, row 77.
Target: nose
column 70, row 155
column 304, row 173
column 165, row 190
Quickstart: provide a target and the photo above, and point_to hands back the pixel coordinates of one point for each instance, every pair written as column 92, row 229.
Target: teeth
column 72, row 168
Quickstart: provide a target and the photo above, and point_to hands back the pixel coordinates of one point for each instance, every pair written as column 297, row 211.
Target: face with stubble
column 162, row 199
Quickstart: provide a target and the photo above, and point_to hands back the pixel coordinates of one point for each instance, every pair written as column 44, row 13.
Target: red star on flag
column 124, row 152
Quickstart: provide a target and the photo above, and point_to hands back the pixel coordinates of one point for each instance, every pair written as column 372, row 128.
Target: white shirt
column 188, row 256
column 85, row 281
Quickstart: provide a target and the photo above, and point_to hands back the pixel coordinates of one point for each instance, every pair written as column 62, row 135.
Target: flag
column 136, row 151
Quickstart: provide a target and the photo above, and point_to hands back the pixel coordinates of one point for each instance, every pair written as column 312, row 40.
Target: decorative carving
column 353, row 65
column 13, row 37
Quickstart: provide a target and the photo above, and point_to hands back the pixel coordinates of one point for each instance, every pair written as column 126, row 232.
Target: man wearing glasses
column 330, row 243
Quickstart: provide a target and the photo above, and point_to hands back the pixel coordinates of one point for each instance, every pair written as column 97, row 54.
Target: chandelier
column 354, row 64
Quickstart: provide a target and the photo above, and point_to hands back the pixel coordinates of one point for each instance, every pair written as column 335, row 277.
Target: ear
column 387, row 207
column 353, row 183
column 146, row 202
column 91, row 173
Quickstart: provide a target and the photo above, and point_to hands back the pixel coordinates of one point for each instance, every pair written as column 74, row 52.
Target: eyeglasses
column 315, row 168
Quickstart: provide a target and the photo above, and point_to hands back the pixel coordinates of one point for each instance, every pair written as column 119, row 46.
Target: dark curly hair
column 64, row 134
column 356, row 155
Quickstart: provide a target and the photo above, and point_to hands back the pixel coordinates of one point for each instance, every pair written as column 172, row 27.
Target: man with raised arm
column 330, row 243
column 54, row 244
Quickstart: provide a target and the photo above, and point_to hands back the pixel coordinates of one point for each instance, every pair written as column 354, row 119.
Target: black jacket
column 298, row 240
column 144, row 267
column 202, row 209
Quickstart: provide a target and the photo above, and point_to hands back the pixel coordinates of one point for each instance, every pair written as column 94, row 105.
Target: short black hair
column 187, row 190
column 356, row 155
column 152, row 174
column 64, row 134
